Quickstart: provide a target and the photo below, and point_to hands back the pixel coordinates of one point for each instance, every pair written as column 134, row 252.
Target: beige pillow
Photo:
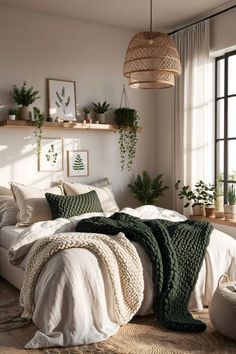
column 8, row 211
column 32, row 204
column 5, row 191
column 103, row 182
column 105, row 194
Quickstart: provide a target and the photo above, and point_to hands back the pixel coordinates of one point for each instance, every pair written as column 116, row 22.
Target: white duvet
column 73, row 297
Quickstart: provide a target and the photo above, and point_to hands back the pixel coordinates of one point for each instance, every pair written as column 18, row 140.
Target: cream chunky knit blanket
column 118, row 255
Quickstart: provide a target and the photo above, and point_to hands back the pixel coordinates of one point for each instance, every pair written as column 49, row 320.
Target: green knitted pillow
column 66, row 206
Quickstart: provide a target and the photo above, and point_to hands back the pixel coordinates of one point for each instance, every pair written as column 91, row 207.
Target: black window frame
column 225, row 139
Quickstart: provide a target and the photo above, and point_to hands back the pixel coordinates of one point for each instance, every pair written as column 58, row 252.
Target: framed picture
column 51, row 157
column 62, row 99
column 77, row 163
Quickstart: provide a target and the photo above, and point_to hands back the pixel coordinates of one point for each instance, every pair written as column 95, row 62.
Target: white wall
column 223, row 35
column 34, row 47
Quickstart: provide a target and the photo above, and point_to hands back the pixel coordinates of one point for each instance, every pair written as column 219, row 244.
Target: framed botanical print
column 62, row 99
column 51, row 156
column 77, row 163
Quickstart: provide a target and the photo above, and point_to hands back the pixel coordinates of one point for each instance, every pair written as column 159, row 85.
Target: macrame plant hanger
column 124, row 97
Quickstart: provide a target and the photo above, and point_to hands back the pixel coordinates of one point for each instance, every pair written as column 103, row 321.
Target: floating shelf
column 61, row 125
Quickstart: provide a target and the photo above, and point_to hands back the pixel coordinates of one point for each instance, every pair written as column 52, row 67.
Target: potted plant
column 38, row 121
column 219, row 197
column 146, row 189
column 194, row 198
column 127, row 121
column 100, row 109
column 230, row 208
column 24, row 97
column 12, row 113
column 87, row 115
column 208, row 195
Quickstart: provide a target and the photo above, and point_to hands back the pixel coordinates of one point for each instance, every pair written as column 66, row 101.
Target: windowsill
column 214, row 220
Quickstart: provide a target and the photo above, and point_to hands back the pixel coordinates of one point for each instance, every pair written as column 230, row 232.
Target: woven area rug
column 145, row 335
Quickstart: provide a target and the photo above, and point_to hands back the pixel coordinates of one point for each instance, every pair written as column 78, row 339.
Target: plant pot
column 87, row 117
column 219, row 214
column 101, row 117
column 230, row 212
column 24, row 113
column 210, row 212
column 219, row 203
column 12, row 117
column 198, row 210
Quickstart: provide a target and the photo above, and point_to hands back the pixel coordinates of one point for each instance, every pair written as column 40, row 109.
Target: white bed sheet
column 9, row 234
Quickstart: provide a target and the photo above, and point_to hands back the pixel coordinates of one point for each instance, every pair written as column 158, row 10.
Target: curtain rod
column 206, row 18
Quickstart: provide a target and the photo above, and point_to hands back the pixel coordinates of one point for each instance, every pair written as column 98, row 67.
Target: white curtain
column 193, row 111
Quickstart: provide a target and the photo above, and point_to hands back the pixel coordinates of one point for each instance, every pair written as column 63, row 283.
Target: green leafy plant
column 231, row 195
column 127, row 120
column 62, row 101
column 146, row 189
column 51, row 155
column 202, row 194
column 101, row 107
column 86, row 110
column 78, row 164
column 12, row 111
column 24, row 96
column 38, row 121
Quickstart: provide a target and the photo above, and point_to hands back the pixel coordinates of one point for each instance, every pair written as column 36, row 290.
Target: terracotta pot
column 198, row 209
column 87, row 117
column 219, row 203
column 230, row 212
column 210, row 212
column 101, row 117
column 24, row 113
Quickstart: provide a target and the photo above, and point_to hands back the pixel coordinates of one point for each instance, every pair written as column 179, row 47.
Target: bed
column 79, row 311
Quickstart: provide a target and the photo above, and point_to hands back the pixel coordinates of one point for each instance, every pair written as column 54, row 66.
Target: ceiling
column 131, row 14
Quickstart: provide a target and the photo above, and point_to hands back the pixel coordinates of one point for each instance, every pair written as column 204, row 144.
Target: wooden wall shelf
column 63, row 125
column 214, row 220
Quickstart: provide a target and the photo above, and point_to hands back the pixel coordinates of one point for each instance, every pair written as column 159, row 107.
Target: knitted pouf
column 222, row 311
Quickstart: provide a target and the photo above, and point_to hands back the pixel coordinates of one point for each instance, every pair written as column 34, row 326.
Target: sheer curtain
column 193, row 110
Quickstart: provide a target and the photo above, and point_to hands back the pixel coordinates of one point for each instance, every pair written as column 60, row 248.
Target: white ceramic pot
column 219, row 203
column 198, row 209
column 230, row 212
column 12, row 117
column 24, row 113
column 101, row 117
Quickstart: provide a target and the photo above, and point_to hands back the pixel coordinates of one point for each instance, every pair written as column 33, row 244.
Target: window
column 225, row 122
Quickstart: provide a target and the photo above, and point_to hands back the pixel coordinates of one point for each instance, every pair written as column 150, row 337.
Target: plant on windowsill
column 219, row 198
column 148, row 190
column 24, row 97
column 230, row 208
column 38, row 121
column 127, row 121
column 209, row 194
column 100, row 110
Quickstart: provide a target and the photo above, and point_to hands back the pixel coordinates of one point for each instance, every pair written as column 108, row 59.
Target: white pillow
column 8, row 211
column 5, row 191
column 32, row 204
column 105, row 194
column 101, row 183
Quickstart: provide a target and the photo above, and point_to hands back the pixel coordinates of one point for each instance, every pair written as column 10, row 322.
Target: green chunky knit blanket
column 176, row 251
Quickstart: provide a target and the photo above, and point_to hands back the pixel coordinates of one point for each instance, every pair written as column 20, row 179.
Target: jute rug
column 145, row 335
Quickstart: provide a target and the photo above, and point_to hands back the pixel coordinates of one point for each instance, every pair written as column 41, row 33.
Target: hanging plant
column 127, row 121
column 38, row 121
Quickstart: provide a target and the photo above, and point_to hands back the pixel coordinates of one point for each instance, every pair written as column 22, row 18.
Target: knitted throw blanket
column 176, row 250
column 119, row 256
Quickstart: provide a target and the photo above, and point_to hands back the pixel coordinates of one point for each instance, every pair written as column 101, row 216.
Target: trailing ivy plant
column 38, row 121
column 127, row 121
column 148, row 190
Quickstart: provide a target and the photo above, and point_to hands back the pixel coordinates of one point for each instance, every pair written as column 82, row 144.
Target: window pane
column 220, row 77
column 220, row 159
column 220, row 119
column 232, row 75
column 232, row 160
column 232, row 117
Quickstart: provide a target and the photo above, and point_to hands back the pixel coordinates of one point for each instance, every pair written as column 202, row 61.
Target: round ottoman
column 222, row 310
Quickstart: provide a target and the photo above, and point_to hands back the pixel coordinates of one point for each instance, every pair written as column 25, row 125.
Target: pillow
column 105, row 194
column 5, row 191
column 67, row 206
column 8, row 211
column 32, row 204
column 101, row 183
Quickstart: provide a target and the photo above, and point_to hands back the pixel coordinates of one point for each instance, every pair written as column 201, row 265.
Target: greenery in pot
column 231, row 195
column 86, row 110
column 101, row 108
column 146, row 189
column 127, row 120
column 24, row 96
column 38, row 121
column 12, row 111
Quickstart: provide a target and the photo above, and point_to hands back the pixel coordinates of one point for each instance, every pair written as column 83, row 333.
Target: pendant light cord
column 150, row 15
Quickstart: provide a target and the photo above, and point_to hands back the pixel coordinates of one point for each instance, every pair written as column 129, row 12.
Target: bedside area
column 229, row 227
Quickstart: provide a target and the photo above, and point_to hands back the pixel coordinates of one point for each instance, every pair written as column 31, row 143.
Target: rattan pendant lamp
column 152, row 60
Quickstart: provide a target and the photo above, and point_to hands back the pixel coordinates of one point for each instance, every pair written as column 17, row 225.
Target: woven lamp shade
column 151, row 61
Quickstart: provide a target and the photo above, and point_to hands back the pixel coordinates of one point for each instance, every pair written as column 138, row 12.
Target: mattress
column 8, row 234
